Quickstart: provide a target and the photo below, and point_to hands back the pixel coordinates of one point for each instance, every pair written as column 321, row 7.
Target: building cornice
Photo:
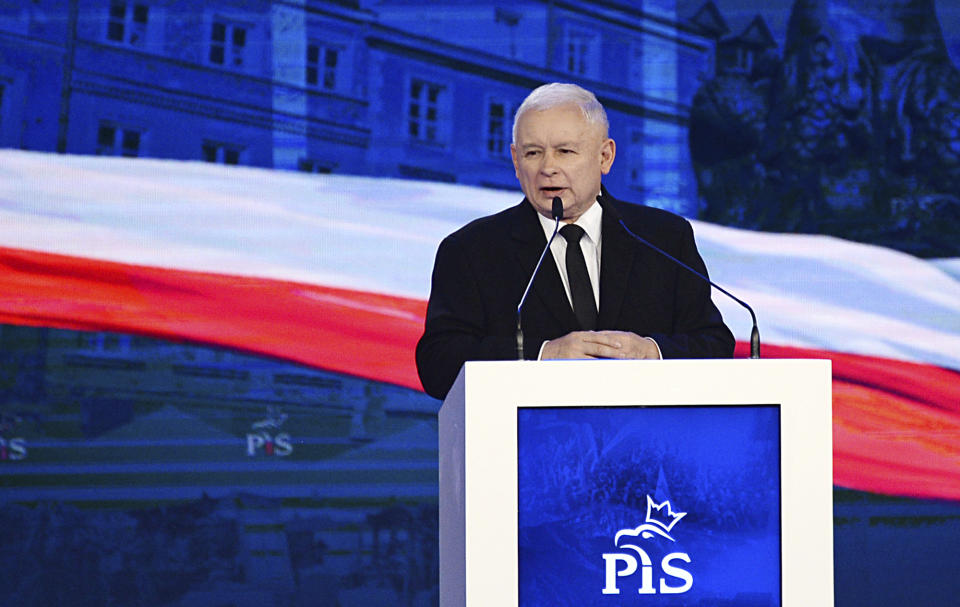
column 520, row 74
column 100, row 85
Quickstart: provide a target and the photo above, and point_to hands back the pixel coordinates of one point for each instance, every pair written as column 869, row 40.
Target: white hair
column 556, row 94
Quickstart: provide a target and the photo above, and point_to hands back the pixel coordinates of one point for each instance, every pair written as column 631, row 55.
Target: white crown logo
column 660, row 520
column 656, row 512
column 275, row 419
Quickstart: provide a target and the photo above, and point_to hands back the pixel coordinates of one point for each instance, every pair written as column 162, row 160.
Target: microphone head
column 557, row 207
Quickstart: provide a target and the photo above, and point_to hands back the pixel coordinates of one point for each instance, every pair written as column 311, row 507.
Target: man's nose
column 548, row 166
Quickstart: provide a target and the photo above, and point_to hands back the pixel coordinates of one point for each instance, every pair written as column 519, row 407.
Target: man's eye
column 566, row 151
column 532, row 153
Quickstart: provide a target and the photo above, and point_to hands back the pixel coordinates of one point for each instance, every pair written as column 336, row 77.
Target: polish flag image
column 334, row 271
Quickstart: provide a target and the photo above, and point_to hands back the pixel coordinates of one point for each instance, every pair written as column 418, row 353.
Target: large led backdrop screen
column 218, row 222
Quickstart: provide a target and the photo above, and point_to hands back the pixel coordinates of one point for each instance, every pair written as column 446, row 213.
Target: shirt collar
column 591, row 221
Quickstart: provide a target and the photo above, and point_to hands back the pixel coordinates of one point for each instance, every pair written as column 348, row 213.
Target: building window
column 113, row 140
column 510, row 20
column 221, row 153
column 309, row 165
column 507, row 17
column 498, row 129
column 579, row 48
column 322, row 64
column 635, row 158
column 423, row 122
column 228, row 43
column 127, row 22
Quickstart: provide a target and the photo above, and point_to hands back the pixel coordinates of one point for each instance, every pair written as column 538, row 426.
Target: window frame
column 314, row 166
column 429, row 130
column 222, row 151
column 505, row 135
column 229, row 49
column 580, row 51
column 321, row 68
column 127, row 28
column 120, row 135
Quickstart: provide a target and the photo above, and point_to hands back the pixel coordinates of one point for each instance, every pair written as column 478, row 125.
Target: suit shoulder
column 486, row 229
column 651, row 218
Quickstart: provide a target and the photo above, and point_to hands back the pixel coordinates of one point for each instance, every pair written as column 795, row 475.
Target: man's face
column 558, row 153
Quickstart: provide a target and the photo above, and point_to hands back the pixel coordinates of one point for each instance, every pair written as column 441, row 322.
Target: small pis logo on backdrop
column 266, row 438
column 12, row 448
column 665, row 577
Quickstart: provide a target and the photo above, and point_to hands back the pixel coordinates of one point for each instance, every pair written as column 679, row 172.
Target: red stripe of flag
column 358, row 333
column 896, row 424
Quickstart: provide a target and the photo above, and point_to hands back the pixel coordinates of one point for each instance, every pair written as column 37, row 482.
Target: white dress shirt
column 591, row 222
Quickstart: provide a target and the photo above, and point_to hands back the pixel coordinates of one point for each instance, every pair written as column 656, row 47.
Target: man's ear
column 513, row 155
column 608, row 151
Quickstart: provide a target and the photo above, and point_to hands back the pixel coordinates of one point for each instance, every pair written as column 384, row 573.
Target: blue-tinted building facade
column 406, row 89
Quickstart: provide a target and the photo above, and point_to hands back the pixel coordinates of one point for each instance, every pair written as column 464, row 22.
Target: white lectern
column 590, row 482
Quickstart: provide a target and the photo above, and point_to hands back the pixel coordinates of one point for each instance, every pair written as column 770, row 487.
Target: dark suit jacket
column 482, row 269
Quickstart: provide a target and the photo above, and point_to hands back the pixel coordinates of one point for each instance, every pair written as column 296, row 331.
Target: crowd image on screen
column 577, row 474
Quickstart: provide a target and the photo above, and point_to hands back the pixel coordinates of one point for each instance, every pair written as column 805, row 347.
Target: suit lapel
column 547, row 289
column 616, row 259
column 621, row 267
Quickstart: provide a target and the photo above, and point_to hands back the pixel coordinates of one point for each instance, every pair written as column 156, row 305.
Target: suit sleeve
column 698, row 329
column 457, row 326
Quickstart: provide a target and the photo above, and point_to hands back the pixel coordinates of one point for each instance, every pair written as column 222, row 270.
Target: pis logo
column 265, row 436
column 11, row 449
column 673, row 578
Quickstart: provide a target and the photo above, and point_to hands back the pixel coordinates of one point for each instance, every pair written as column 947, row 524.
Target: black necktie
column 581, row 291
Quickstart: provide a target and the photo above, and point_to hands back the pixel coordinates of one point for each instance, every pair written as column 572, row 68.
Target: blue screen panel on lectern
column 672, row 506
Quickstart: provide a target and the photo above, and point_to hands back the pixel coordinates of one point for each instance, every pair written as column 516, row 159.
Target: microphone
column 557, row 212
column 754, row 333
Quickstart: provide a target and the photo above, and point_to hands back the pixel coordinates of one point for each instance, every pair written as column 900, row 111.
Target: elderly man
column 601, row 294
